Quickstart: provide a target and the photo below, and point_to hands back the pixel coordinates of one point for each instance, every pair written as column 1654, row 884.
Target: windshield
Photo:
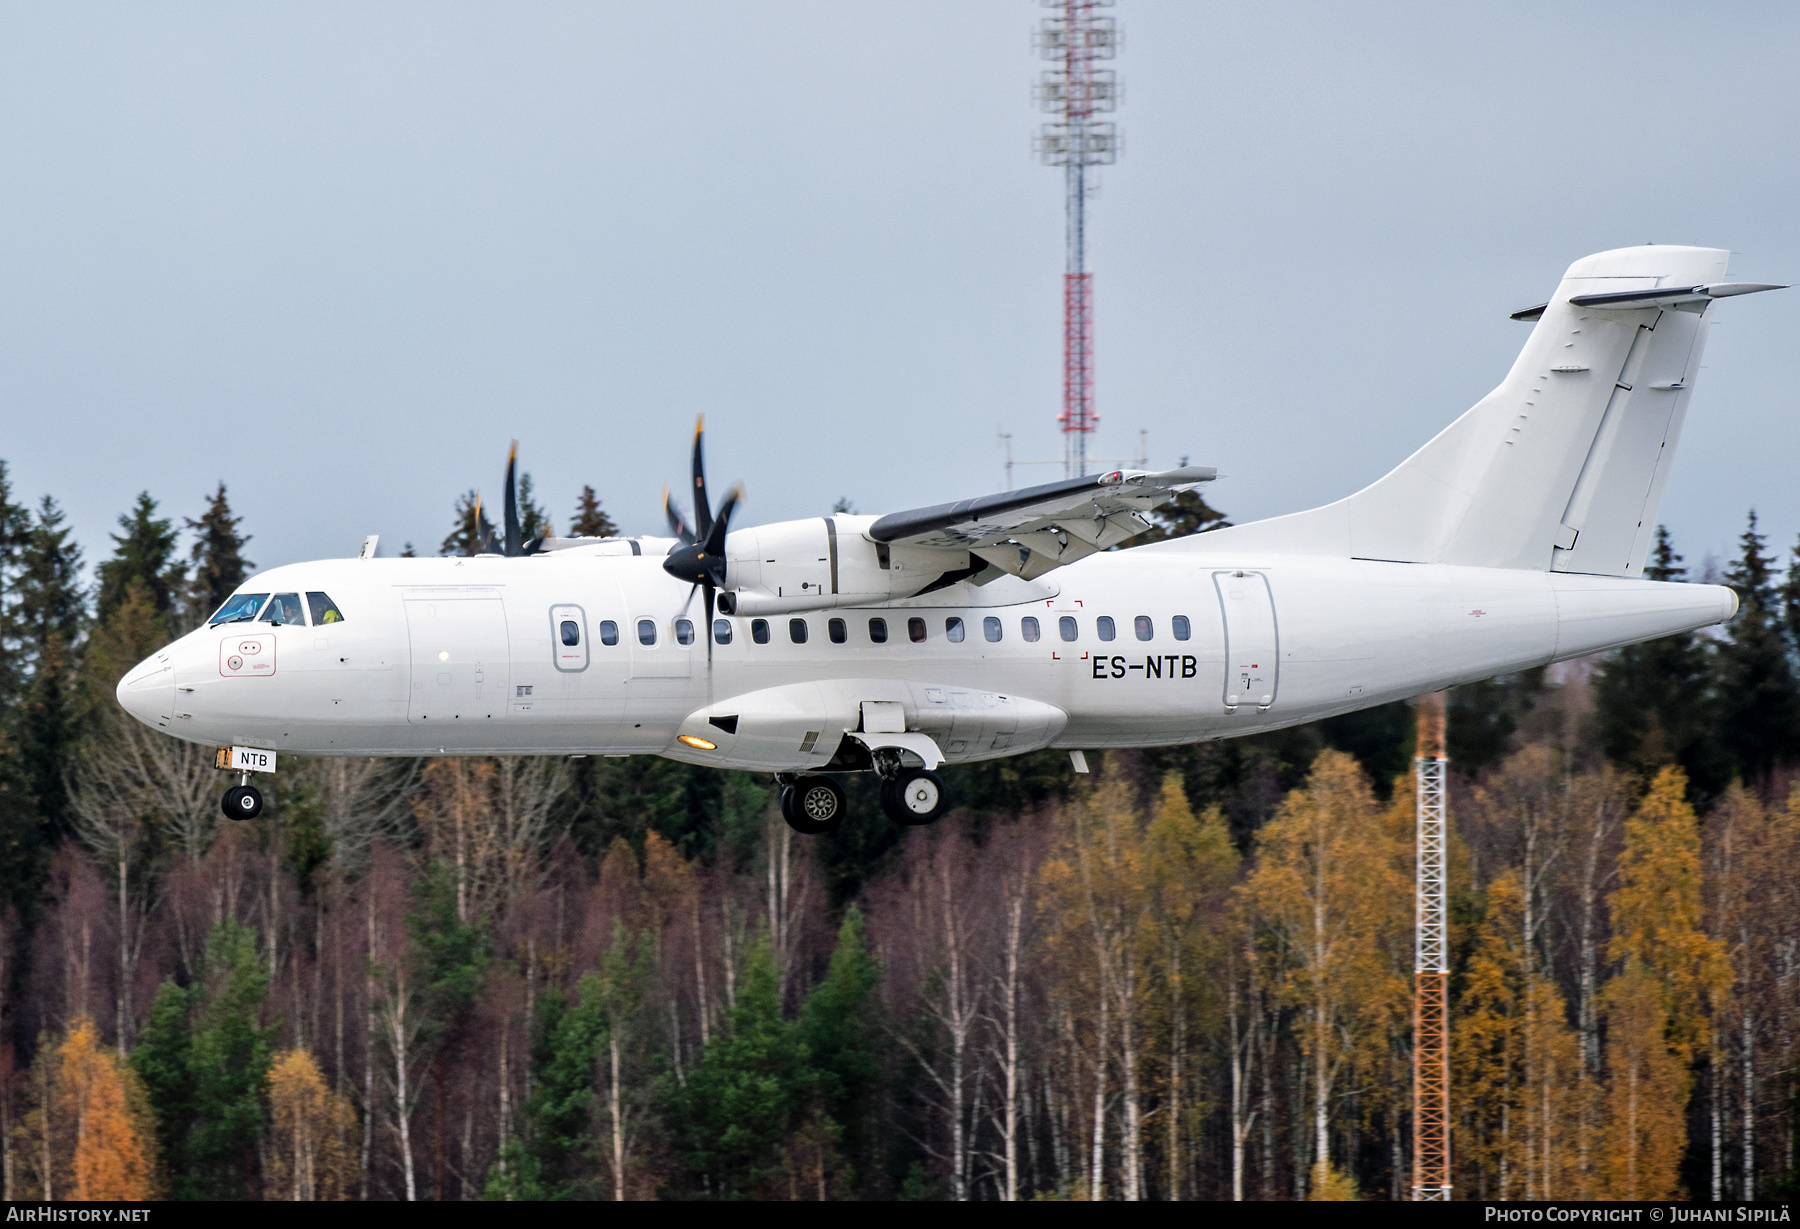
column 285, row 608
column 238, row 608
column 324, row 610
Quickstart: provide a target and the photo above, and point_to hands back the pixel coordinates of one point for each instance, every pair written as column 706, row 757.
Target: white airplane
column 1001, row 624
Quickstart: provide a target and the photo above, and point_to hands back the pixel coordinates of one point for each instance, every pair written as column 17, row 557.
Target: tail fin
column 1562, row 467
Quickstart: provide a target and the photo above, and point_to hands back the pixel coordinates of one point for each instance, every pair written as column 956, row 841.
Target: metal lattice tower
column 1076, row 92
column 1431, row 967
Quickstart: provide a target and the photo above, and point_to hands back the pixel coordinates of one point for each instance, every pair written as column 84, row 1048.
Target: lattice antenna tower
column 1431, row 964
column 1075, row 91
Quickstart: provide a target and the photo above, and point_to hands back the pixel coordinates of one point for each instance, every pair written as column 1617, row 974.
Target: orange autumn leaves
column 88, row 1133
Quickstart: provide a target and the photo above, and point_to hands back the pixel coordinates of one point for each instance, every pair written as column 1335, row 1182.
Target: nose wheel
column 914, row 797
column 242, row 802
column 812, row 805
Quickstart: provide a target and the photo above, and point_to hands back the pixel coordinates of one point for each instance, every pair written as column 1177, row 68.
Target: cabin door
column 1251, row 642
column 460, row 656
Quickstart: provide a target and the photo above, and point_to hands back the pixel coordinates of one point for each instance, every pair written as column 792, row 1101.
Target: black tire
column 242, row 802
column 915, row 798
column 813, row 805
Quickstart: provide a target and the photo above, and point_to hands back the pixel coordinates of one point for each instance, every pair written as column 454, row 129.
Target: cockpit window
column 324, row 610
column 284, row 608
column 239, row 608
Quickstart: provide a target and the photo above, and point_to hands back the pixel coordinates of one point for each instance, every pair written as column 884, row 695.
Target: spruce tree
column 473, row 527
column 841, row 1026
column 1758, row 706
column 589, row 521
column 51, row 619
column 15, row 526
column 1651, row 700
column 751, row 1090
column 230, row 1059
column 534, row 522
column 1188, row 513
column 163, row 1060
column 144, row 555
column 218, row 558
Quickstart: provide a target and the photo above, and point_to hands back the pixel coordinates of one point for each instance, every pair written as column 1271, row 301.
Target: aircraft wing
column 1031, row 531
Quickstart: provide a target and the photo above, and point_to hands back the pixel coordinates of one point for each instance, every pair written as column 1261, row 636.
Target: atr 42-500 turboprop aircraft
column 1002, row 624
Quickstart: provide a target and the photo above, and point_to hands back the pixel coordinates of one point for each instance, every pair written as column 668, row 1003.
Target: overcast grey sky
column 338, row 254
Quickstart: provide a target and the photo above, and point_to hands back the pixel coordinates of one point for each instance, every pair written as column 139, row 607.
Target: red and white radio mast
column 1075, row 92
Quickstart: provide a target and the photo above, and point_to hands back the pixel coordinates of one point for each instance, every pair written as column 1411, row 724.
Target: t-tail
column 1562, row 467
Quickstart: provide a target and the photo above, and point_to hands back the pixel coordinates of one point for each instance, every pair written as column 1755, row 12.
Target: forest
column 1187, row 975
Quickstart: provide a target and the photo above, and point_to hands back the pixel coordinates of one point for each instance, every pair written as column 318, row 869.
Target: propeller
column 700, row 559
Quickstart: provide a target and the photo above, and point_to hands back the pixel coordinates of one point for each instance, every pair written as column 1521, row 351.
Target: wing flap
column 1029, row 532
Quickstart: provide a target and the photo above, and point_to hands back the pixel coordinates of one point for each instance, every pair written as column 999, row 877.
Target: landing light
column 444, row 656
column 698, row 743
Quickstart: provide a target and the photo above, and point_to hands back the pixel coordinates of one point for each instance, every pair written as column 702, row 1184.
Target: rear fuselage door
column 459, row 656
column 1251, row 642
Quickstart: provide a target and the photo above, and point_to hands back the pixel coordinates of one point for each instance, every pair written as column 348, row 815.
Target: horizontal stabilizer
column 1669, row 296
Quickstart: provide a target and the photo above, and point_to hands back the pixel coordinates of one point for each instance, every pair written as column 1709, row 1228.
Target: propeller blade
column 709, row 621
column 703, row 517
column 480, row 534
column 513, row 536
column 677, row 526
column 682, row 613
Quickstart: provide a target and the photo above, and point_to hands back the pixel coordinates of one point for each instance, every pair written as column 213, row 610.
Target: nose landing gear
column 242, row 802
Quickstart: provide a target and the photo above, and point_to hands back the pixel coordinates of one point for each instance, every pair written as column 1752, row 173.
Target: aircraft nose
column 148, row 691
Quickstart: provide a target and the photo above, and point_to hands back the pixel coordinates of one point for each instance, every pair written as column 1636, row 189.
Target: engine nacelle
column 823, row 562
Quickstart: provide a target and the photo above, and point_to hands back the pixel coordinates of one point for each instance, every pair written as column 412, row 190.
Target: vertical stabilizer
column 1563, row 466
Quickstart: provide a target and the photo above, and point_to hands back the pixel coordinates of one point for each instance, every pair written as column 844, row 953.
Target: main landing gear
column 813, row 804
column 915, row 797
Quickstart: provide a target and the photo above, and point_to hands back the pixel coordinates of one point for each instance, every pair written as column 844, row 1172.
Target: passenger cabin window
column 1143, row 627
column 240, row 608
column 915, row 630
column 877, row 631
column 684, row 631
column 1028, row 628
column 836, row 630
column 646, row 632
column 759, row 630
column 1179, row 624
column 990, row 627
column 1065, row 627
column 571, row 632
column 797, row 630
column 1104, row 626
column 324, row 610
column 953, row 630
column 284, row 608
column 609, row 632
column 721, row 631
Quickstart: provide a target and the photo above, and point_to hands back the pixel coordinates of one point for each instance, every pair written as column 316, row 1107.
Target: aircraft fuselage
column 475, row 655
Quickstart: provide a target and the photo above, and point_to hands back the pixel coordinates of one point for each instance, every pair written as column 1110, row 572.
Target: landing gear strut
column 914, row 797
column 811, row 804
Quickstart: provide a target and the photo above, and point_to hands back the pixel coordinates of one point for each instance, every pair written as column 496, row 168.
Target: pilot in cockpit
column 284, row 608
